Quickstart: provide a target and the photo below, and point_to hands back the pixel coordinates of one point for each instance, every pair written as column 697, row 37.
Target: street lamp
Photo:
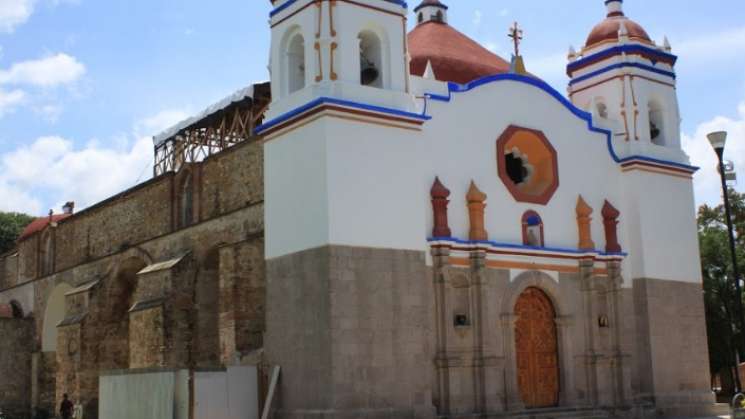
column 718, row 140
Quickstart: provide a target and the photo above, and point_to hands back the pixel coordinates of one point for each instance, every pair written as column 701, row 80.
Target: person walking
column 66, row 407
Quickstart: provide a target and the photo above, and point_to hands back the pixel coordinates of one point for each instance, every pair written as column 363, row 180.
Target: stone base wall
column 16, row 336
column 672, row 356
column 351, row 328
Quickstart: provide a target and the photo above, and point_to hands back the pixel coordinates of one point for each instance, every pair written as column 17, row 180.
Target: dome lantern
column 431, row 11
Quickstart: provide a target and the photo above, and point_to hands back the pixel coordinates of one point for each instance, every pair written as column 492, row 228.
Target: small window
column 532, row 230
column 602, row 110
column 420, row 18
column 371, row 60
column 656, row 124
column 296, row 64
column 438, row 17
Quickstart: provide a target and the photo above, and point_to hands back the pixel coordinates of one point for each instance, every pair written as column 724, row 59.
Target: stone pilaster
column 478, row 267
column 591, row 356
column 513, row 401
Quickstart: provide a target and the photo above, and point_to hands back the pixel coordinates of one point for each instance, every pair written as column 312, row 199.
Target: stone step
column 556, row 413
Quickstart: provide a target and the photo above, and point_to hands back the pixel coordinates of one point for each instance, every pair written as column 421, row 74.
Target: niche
column 296, row 64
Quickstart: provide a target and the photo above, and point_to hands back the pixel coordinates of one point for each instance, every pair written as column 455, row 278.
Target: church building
column 406, row 224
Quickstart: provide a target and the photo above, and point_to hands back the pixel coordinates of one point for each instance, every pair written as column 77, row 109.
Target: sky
column 84, row 84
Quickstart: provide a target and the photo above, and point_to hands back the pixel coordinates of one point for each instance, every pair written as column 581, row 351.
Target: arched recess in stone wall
column 207, row 336
column 115, row 301
column 53, row 314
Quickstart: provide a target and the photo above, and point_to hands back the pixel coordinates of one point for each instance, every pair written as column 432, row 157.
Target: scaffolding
column 219, row 127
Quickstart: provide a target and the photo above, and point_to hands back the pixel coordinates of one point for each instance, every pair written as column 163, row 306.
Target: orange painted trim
column 332, row 49
column 517, row 194
column 615, row 41
column 499, row 264
column 374, row 119
column 658, row 171
column 620, row 77
column 319, row 77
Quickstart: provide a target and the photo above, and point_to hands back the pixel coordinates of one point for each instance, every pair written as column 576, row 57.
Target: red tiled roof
column 40, row 224
column 607, row 30
column 454, row 56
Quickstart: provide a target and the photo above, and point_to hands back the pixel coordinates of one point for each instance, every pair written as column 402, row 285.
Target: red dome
column 607, row 30
column 454, row 56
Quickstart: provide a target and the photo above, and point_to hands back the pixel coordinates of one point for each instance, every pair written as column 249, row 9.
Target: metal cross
column 517, row 35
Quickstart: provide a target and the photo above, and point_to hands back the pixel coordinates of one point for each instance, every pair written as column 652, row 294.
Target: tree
column 722, row 319
column 11, row 226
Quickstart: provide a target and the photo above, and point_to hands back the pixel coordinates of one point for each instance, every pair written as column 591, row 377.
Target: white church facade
column 448, row 235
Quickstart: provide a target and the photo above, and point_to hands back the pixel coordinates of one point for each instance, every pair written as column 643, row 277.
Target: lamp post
column 718, row 141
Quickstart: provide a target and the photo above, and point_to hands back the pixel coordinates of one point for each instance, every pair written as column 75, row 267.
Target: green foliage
column 722, row 321
column 11, row 226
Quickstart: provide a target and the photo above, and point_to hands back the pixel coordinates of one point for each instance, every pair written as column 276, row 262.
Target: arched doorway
column 536, row 349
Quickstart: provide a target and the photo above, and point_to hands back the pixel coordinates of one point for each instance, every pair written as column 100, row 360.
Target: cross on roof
column 517, row 35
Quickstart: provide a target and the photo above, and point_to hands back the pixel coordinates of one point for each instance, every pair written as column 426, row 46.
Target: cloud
column 10, row 99
column 14, row 13
column 729, row 43
column 706, row 182
column 53, row 169
column 550, row 68
column 50, row 71
column 477, row 16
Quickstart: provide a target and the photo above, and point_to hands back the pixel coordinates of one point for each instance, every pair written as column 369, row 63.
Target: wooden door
column 536, row 349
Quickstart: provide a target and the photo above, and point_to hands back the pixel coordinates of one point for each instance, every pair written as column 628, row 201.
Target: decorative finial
column 615, row 8
column 517, row 35
column 572, row 54
column 666, row 45
column 429, row 72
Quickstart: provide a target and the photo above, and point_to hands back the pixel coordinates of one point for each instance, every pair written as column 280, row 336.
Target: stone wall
column 15, row 366
column 352, row 330
column 183, row 314
column 672, row 350
column 242, row 298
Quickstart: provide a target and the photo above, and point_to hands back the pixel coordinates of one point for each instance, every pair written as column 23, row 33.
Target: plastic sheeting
column 227, row 395
column 157, row 395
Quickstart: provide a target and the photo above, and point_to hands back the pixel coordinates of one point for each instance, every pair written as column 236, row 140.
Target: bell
column 369, row 75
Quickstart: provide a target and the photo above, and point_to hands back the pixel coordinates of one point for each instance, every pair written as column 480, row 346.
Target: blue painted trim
column 328, row 100
column 291, row 2
column 586, row 116
column 690, row 168
column 622, row 65
column 523, row 247
column 628, row 49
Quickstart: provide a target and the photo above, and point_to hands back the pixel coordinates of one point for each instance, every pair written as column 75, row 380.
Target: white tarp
column 142, row 395
column 247, row 92
column 227, row 395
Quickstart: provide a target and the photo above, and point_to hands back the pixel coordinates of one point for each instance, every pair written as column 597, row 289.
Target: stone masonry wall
column 15, row 366
column 672, row 345
column 128, row 219
column 352, row 330
column 242, row 297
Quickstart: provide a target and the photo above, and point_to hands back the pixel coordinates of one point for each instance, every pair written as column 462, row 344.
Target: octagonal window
column 527, row 165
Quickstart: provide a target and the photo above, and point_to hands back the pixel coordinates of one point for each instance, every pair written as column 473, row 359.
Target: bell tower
column 628, row 83
column 344, row 261
column 353, row 51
